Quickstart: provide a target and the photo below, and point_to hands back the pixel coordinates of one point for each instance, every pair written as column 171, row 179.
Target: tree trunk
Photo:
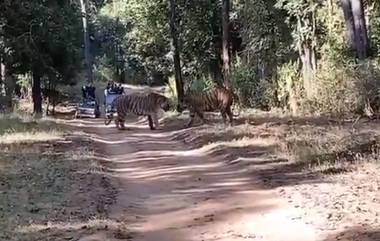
column 308, row 58
column 36, row 93
column 177, row 60
column 8, row 85
column 86, row 40
column 226, row 42
column 356, row 28
column 216, row 70
column 9, row 89
column 349, row 21
column 2, row 81
column 361, row 35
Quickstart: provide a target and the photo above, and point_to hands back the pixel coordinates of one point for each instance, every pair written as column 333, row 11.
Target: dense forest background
column 305, row 56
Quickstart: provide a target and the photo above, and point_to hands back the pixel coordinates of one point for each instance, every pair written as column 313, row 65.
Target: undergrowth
column 18, row 129
column 51, row 187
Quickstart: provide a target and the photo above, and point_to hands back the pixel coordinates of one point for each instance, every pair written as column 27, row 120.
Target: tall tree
column 86, row 40
column 36, row 91
column 305, row 37
column 42, row 39
column 356, row 27
column 226, row 42
column 174, row 19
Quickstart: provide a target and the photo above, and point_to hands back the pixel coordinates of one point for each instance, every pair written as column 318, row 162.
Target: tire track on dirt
column 169, row 191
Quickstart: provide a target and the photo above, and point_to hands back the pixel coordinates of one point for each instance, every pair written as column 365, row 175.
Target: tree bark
column 177, row 59
column 309, row 63
column 2, row 82
column 7, row 85
column 349, row 21
column 361, row 35
column 356, row 28
column 36, row 93
column 86, row 40
column 9, row 89
column 226, row 42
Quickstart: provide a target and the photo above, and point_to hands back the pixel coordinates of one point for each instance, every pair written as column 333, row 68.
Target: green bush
column 201, row 84
column 252, row 91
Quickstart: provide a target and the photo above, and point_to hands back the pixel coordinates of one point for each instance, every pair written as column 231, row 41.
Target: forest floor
column 269, row 177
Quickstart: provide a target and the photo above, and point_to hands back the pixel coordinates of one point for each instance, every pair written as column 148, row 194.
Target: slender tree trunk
column 226, row 42
column 308, row 57
column 216, row 70
column 7, row 85
column 2, row 73
column 36, row 93
column 9, row 89
column 177, row 60
column 86, row 40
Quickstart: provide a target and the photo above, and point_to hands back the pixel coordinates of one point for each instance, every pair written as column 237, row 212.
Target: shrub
column 346, row 88
column 201, row 84
column 253, row 91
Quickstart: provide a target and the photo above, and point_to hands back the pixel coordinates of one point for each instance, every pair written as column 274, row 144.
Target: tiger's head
column 162, row 101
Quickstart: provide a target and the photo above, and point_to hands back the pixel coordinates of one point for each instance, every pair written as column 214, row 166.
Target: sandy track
column 171, row 192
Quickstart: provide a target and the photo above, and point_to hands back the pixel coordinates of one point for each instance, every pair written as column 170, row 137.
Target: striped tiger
column 52, row 97
column 138, row 104
column 215, row 99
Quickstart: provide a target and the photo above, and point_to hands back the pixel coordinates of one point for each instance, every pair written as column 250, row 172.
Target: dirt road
column 168, row 191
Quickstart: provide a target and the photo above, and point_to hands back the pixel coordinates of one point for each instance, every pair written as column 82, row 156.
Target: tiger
column 215, row 99
column 138, row 104
column 53, row 97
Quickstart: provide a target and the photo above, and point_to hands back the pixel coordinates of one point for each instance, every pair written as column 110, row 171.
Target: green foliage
column 374, row 22
column 135, row 42
column 202, row 84
column 253, row 91
column 43, row 37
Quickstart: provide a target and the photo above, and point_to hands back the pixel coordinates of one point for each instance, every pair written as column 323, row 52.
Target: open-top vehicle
column 89, row 107
column 110, row 94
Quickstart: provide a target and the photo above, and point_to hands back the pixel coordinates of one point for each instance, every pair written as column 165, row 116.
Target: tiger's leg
column 190, row 122
column 121, row 120
column 47, row 108
column 53, row 112
column 150, row 122
column 155, row 121
column 117, row 123
column 201, row 116
column 122, row 123
column 230, row 115
column 224, row 116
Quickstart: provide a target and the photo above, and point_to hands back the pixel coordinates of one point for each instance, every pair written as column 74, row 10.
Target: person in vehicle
column 88, row 92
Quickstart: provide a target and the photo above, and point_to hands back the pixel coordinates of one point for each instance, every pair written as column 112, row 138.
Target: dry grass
column 51, row 187
column 46, row 193
column 328, row 149
column 314, row 143
column 22, row 129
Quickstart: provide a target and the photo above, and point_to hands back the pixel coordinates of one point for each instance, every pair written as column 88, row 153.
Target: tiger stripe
column 215, row 99
column 141, row 105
